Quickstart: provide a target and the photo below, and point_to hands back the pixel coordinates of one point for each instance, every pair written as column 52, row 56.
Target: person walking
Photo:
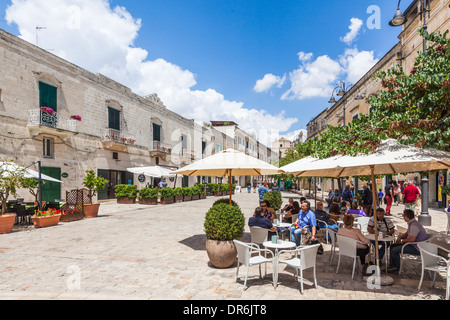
column 367, row 200
column 411, row 193
column 262, row 190
column 389, row 197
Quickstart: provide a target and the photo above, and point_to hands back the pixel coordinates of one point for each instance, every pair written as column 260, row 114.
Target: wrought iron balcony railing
column 117, row 136
column 37, row 117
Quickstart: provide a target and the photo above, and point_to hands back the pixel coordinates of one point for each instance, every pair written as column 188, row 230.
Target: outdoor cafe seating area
column 339, row 255
column 25, row 210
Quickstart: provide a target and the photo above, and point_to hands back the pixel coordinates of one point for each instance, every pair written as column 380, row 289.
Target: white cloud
column 91, row 34
column 269, row 80
column 357, row 63
column 355, row 27
column 313, row 78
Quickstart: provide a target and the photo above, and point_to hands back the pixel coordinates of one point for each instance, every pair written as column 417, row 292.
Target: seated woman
column 295, row 210
column 355, row 209
column 362, row 247
column 269, row 212
column 334, row 209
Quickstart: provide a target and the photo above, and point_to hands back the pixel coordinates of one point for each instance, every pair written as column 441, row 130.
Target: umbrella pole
column 229, row 182
column 315, row 193
column 374, row 195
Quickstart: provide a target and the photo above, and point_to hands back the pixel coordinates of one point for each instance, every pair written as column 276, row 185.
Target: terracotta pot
column 222, row 254
column 7, row 223
column 148, row 201
column 72, row 217
column 91, row 210
column 126, row 200
column 43, row 222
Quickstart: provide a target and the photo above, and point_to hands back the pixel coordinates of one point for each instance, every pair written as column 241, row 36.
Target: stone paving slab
column 137, row 252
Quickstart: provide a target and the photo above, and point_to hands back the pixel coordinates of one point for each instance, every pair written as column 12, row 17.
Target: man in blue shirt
column 262, row 191
column 306, row 219
column 258, row 220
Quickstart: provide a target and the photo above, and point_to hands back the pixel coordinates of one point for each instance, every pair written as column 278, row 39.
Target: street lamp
column 343, row 90
column 400, row 19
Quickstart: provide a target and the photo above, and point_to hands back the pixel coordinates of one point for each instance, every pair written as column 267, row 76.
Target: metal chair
column 245, row 251
column 307, row 260
column 20, row 214
column 430, row 259
column 402, row 254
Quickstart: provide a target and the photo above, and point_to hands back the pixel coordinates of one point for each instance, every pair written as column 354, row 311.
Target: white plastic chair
column 363, row 223
column 348, row 248
column 334, row 244
column 323, row 229
column 429, row 239
column 258, row 235
column 430, row 259
column 307, row 260
column 245, row 251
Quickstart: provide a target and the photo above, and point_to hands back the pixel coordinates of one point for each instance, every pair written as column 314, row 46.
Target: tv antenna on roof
column 37, row 36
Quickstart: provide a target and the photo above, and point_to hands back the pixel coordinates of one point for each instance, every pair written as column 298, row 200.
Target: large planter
column 179, row 198
column 167, row 200
column 126, row 200
column 43, row 222
column 148, row 201
column 91, row 210
column 222, row 254
column 195, row 197
column 187, row 198
column 7, row 223
column 72, row 217
column 203, row 196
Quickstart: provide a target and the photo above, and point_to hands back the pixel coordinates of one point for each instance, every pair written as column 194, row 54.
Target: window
column 355, row 116
column 48, row 148
column 203, row 147
column 184, row 141
column 47, row 96
column 113, row 119
column 156, row 132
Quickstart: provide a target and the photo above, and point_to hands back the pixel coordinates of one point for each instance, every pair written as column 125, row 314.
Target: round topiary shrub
column 275, row 199
column 226, row 201
column 224, row 222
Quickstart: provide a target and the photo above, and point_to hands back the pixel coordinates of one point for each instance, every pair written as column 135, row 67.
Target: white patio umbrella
column 229, row 163
column 390, row 158
column 155, row 171
column 28, row 173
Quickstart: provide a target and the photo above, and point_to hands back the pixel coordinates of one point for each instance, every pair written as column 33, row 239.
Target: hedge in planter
column 178, row 193
column 167, row 196
column 187, row 193
column 223, row 224
column 225, row 201
column 148, row 196
column 126, row 194
column 275, row 199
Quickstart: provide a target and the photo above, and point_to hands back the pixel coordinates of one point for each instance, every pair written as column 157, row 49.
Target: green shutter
column 114, row 118
column 156, row 132
column 48, row 96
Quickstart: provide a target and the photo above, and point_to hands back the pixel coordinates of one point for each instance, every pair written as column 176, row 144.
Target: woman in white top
column 362, row 248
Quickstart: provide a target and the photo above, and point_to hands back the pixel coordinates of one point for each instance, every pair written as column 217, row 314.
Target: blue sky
column 204, row 57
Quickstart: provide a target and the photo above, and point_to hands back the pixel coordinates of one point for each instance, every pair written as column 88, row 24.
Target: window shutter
column 114, row 118
column 47, row 96
column 156, row 132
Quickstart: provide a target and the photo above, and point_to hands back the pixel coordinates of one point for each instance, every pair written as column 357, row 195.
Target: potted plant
column 167, row 196
column 187, row 193
column 202, row 191
column 33, row 187
column 178, row 192
column 43, row 219
column 94, row 184
column 11, row 178
column 215, row 189
column 196, row 193
column 126, row 194
column 223, row 224
column 148, row 196
column 72, row 214
column 225, row 189
column 275, row 199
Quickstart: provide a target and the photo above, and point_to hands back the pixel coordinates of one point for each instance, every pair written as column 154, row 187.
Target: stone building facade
column 118, row 129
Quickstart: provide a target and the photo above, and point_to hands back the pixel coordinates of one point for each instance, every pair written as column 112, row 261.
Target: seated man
column 416, row 233
column 330, row 197
column 258, row 220
column 325, row 217
column 383, row 225
column 289, row 206
column 306, row 219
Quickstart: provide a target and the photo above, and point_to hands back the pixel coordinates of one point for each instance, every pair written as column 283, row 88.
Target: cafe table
column 278, row 246
column 384, row 240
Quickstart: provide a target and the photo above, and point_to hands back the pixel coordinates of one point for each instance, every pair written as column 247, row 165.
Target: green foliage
column 412, row 108
column 32, row 185
column 148, row 193
column 224, row 187
column 445, row 190
column 214, row 187
column 201, row 188
column 275, row 199
column 225, row 201
column 187, row 191
column 224, row 223
column 126, row 191
column 10, row 182
column 178, row 192
column 93, row 183
column 167, row 193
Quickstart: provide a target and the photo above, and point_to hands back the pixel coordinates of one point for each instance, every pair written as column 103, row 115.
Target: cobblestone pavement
column 139, row 252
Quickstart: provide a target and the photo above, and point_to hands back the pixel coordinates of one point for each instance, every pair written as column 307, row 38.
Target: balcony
column 116, row 140
column 41, row 123
column 158, row 149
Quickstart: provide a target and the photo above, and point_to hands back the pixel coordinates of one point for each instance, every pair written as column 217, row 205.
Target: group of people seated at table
column 312, row 221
